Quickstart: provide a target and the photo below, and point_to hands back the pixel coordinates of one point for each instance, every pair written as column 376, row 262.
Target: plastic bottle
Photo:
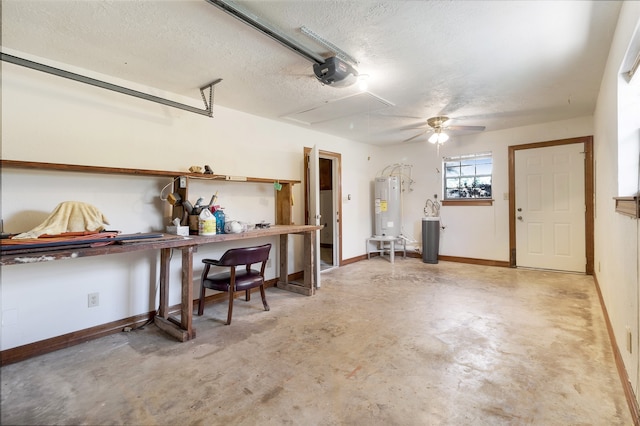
column 206, row 223
column 219, row 214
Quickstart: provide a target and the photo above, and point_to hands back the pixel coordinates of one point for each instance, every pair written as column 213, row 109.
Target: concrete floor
column 380, row 344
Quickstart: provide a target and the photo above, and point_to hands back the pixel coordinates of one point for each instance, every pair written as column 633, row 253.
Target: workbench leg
column 165, row 268
column 283, row 282
column 309, row 261
column 182, row 330
column 186, row 317
column 284, row 259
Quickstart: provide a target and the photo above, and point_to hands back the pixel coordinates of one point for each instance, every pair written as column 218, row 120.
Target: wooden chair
column 236, row 279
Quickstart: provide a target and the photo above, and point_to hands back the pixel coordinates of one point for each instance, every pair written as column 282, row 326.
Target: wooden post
column 283, row 205
column 178, row 211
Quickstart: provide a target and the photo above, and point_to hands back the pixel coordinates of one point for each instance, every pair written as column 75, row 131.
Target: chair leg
column 247, row 295
column 231, row 294
column 201, row 301
column 264, row 298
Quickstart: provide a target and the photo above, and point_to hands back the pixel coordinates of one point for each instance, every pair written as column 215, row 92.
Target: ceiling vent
column 359, row 103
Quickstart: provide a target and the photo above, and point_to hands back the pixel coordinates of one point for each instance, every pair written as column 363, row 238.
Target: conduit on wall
column 206, row 98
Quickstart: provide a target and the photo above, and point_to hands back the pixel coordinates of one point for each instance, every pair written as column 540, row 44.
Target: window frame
column 488, row 201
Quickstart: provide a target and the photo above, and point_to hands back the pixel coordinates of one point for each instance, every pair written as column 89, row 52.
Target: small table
column 386, row 244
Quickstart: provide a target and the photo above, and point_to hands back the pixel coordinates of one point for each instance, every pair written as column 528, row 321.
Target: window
column 628, row 200
column 628, row 97
column 468, row 177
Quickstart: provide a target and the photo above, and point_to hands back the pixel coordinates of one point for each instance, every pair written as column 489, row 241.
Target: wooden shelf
column 284, row 197
column 17, row 164
column 628, row 206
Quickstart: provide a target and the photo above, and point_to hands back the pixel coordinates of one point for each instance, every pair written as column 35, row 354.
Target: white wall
column 49, row 119
column 616, row 236
column 480, row 232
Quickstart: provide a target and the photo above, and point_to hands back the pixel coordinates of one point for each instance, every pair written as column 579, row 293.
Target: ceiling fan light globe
column 439, row 138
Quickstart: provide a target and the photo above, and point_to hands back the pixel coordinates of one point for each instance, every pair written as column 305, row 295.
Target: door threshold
column 530, row 268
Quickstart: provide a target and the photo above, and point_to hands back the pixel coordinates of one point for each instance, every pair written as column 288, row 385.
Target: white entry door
column 550, row 208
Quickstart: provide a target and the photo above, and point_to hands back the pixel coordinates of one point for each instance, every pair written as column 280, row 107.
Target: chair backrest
column 245, row 255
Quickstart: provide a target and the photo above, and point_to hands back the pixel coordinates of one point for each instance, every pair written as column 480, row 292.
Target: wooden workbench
column 182, row 328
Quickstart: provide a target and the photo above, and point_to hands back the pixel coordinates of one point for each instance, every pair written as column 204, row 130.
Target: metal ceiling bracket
column 332, row 47
column 208, row 110
column 209, row 105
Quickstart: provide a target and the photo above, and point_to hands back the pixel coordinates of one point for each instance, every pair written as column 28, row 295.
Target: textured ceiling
column 499, row 64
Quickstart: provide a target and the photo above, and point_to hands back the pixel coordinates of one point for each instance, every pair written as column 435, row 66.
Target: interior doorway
column 547, row 237
column 329, row 187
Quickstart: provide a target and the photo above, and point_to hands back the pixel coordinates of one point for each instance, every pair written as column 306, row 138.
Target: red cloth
column 67, row 236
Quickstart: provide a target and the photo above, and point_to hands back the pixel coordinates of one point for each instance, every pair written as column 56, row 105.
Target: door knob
column 519, row 217
column 519, row 209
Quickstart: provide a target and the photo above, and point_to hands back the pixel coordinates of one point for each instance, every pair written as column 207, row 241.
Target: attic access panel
column 343, row 107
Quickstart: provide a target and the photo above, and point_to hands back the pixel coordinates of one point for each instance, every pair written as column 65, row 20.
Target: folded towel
column 69, row 216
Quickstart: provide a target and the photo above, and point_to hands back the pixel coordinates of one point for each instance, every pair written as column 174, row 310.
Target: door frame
column 589, row 195
column 337, row 187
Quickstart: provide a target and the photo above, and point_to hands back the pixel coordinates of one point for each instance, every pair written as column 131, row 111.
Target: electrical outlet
column 183, row 182
column 93, row 300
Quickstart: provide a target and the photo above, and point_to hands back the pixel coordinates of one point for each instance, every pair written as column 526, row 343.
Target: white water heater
column 387, row 206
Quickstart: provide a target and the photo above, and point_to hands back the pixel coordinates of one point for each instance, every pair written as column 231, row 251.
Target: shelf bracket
column 208, row 110
column 209, row 105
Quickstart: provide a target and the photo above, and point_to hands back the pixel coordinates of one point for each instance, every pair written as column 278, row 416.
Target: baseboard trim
column 416, row 255
column 20, row 353
column 622, row 371
column 349, row 261
column 41, row 347
column 474, row 261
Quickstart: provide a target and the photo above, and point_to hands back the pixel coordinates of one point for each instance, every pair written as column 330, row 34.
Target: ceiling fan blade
column 414, row 137
column 468, row 128
column 413, row 126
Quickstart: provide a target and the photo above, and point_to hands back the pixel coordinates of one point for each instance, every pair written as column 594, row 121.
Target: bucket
column 193, row 224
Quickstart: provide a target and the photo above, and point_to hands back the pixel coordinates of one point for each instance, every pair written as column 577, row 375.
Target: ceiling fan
column 438, row 125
